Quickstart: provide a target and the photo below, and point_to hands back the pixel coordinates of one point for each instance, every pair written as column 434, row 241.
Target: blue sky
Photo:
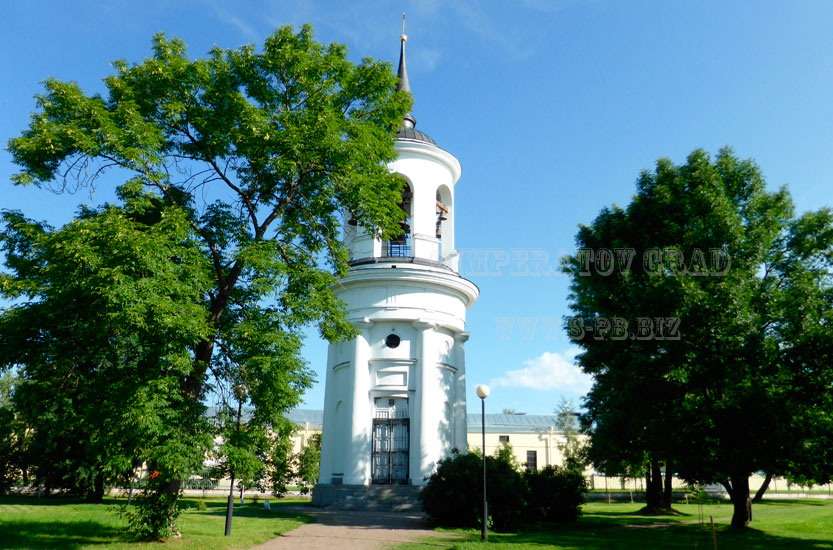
column 552, row 107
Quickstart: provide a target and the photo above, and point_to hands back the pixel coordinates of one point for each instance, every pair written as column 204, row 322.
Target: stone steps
column 377, row 498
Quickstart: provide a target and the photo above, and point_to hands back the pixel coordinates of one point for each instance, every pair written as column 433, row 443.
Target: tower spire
column 404, row 86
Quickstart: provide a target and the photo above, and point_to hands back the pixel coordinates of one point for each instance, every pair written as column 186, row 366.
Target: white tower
column 395, row 397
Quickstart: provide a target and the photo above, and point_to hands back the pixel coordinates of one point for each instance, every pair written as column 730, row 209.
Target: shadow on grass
column 249, row 510
column 666, row 537
column 45, row 501
column 59, row 534
column 586, row 536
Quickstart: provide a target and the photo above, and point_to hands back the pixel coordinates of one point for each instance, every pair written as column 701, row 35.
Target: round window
column 392, row 341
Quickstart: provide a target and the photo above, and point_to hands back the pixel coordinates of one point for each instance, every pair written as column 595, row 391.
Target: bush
column 555, row 494
column 453, row 496
column 153, row 517
column 201, row 506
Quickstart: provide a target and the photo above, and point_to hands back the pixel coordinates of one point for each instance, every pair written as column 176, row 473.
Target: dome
column 411, row 134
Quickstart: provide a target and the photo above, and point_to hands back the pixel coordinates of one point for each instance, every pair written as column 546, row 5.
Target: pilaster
column 357, row 468
column 460, row 416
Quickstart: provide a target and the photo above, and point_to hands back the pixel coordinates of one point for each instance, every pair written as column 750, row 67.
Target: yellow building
column 308, row 422
column 533, row 438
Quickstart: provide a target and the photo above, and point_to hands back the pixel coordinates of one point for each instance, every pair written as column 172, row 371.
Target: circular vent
column 392, row 341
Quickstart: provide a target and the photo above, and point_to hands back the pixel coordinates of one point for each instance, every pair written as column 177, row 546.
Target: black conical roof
column 408, row 131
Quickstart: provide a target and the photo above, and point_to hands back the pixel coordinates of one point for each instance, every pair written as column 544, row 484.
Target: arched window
column 444, row 224
column 400, row 246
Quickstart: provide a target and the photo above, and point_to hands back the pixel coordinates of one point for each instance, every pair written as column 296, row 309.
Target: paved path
column 337, row 530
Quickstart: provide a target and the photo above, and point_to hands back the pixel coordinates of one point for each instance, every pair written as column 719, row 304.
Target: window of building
column 532, row 460
column 400, row 245
column 503, row 438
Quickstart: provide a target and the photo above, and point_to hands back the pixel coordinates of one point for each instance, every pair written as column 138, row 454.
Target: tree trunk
column 759, row 496
column 653, row 486
column 230, row 506
column 96, row 495
column 669, row 485
column 172, row 488
column 742, row 515
column 230, row 503
column 728, row 486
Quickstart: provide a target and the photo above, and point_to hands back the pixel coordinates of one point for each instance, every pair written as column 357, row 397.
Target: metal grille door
column 391, row 438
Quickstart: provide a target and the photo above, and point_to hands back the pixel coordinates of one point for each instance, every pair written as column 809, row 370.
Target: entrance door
column 391, row 440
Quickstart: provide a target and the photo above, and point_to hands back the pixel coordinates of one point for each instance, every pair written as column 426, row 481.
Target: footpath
column 348, row 530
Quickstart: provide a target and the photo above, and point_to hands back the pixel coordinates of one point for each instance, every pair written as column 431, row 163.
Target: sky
column 552, row 107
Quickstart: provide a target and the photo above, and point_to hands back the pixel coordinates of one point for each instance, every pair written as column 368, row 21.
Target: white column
column 328, row 443
column 460, row 440
column 357, row 465
column 428, row 407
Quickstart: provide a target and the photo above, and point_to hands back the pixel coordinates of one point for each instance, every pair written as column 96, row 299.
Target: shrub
column 201, row 506
column 153, row 517
column 453, row 496
column 555, row 494
column 155, row 513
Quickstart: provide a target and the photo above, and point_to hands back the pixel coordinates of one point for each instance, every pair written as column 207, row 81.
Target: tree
column 13, row 437
column 281, row 461
column 260, row 153
column 703, row 313
column 105, row 309
column 309, row 460
column 572, row 448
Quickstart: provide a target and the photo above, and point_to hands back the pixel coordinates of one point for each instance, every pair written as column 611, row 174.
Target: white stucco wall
column 422, row 300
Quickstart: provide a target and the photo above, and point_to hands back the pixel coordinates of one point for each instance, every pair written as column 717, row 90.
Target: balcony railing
column 397, row 250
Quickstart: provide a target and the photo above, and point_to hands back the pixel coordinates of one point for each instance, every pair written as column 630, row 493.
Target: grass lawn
column 781, row 525
column 29, row 522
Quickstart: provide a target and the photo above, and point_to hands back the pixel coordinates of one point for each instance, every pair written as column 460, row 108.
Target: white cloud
column 548, row 371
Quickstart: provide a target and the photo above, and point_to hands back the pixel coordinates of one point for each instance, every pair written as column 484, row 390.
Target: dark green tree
column 260, row 153
column 14, row 437
column 105, row 309
column 703, row 313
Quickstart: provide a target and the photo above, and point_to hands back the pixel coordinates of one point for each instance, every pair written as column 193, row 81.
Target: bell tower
column 395, row 396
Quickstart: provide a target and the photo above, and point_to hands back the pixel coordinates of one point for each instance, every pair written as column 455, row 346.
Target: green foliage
column 242, row 454
column 555, row 494
column 734, row 390
column 309, row 461
column 453, row 495
column 154, row 515
column 106, row 307
column 573, row 449
column 237, row 169
column 281, row 461
column 506, row 492
column 14, row 439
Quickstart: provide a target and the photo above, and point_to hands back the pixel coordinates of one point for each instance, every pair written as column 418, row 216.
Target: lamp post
column 483, row 393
